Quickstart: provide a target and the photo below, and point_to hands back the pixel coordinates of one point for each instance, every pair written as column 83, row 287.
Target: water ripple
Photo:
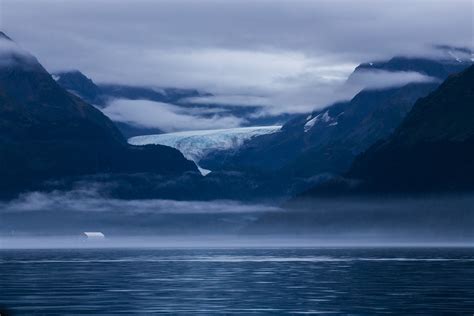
column 238, row 281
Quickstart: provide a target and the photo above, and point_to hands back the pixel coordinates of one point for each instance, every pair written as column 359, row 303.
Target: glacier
column 195, row 145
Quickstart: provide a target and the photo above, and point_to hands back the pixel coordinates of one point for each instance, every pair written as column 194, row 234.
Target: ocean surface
column 356, row 281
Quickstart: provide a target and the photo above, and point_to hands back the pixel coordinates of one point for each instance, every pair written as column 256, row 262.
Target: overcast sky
column 287, row 55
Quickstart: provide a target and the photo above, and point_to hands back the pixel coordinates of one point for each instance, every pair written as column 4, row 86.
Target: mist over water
column 59, row 220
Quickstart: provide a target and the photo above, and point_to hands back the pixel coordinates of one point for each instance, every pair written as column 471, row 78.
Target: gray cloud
column 434, row 219
column 69, row 213
column 88, row 200
column 378, row 79
column 168, row 117
column 305, row 93
column 290, row 54
column 11, row 53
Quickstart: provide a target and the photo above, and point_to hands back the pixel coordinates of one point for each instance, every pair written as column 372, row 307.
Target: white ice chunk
column 94, row 235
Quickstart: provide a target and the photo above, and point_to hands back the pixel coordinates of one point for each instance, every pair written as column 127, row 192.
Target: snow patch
column 455, row 56
column 326, row 118
column 321, row 117
column 309, row 124
column 195, row 145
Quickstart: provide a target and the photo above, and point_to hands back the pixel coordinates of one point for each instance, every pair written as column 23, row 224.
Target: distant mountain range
column 328, row 140
column 47, row 132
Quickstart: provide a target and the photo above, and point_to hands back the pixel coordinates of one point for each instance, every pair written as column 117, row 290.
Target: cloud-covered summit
column 289, row 55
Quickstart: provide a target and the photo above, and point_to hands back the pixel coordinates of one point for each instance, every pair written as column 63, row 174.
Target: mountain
column 196, row 145
column 429, row 67
column 432, row 150
column 47, row 132
column 77, row 83
column 327, row 140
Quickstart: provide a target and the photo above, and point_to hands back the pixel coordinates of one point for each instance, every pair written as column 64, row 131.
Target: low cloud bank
column 71, row 213
column 309, row 91
column 90, row 201
column 295, row 99
column 437, row 220
column 380, row 79
column 169, row 117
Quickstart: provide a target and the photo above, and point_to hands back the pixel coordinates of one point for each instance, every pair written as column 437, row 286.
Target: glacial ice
column 195, row 145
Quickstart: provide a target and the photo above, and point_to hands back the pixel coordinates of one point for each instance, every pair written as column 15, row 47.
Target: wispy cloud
column 306, row 92
column 88, row 200
column 168, row 117
column 377, row 79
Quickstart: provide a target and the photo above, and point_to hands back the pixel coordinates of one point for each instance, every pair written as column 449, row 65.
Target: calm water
column 238, row 281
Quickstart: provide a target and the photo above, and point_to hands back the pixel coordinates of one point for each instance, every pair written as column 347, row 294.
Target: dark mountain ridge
column 432, row 150
column 46, row 132
column 77, row 83
column 440, row 69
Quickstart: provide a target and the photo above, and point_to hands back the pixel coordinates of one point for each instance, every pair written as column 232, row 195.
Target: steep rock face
column 432, row 150
column 77, row 83
column 47, row 132
column 328, row 140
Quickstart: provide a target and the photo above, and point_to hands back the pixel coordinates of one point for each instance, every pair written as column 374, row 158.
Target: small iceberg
column 94, row 235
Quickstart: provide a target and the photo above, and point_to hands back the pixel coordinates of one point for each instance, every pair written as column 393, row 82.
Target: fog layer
column 159, row 222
